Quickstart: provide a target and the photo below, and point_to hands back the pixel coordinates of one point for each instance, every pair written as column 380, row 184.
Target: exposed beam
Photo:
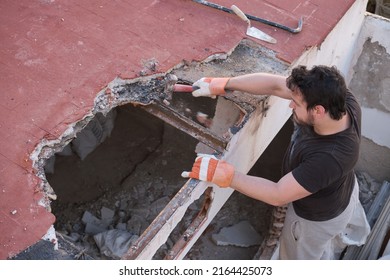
column 187, row 125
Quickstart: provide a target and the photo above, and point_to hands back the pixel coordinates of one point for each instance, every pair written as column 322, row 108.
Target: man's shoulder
column 355, row 111
column 351, row 100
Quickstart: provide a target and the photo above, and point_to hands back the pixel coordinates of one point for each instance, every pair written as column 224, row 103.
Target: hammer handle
column 183, row 88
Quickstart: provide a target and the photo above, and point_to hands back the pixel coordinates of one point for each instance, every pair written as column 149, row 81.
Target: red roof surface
column 55, row 56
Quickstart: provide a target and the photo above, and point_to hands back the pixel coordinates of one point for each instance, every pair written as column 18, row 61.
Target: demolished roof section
column 56, row 57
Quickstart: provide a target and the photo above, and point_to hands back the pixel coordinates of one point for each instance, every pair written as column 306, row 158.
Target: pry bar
column 265, row 21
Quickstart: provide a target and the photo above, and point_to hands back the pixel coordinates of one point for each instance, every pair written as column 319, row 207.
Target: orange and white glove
column 209, row 168
column 210, row 87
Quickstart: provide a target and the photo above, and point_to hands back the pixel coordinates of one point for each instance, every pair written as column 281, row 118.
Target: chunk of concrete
column 121, row 226
column 114, row 243
column 107, row 215
column 88, row 218
column 137, row 224
column 93, row 225
column 92, row 229
column 241, row 235
column 157, row 206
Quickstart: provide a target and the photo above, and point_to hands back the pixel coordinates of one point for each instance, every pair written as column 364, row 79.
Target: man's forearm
column 260, row 84
column 257, row 188
column 287, row 189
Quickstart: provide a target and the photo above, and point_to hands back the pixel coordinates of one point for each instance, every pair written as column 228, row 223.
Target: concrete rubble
column 242, row 234
column 369, row 187
column 112, row 238
column 114, row 243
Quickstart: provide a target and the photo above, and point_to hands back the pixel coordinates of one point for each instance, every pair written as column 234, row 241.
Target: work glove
column 210, row 87
column 209, row 168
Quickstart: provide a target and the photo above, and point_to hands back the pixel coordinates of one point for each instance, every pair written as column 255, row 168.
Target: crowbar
column 265, row 21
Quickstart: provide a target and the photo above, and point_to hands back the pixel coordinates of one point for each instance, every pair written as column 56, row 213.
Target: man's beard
column 300, row 121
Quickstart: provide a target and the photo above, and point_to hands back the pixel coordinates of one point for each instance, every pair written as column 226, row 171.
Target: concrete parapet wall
column 370, row 81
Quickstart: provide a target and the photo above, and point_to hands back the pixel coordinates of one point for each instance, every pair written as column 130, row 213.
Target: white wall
column 375, row 118
column 339, row 46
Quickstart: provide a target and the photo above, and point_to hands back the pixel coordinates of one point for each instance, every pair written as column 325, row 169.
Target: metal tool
column 253, row 31
column 254, row 18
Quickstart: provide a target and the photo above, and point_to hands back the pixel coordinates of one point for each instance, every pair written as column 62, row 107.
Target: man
column 319, row 184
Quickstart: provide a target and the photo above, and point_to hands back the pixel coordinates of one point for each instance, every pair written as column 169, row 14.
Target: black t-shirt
column 324, row 165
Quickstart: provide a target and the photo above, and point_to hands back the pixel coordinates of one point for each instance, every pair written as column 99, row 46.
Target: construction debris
column 115, row 242
column 378, row 218
column 242, row 235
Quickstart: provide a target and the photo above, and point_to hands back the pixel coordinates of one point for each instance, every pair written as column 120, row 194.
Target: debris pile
column 369, row 187
column 110, row 234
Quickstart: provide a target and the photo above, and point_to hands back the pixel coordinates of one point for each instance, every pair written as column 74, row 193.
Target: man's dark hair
column 322, row 85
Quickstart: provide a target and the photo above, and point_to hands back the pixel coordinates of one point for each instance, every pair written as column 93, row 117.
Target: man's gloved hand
column 210, row 87
column 209, row 168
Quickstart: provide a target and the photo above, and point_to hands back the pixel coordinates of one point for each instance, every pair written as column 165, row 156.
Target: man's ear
column 319, row 110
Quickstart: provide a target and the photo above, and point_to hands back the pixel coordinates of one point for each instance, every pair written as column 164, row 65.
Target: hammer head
column 172, row 86
column 170, row 81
